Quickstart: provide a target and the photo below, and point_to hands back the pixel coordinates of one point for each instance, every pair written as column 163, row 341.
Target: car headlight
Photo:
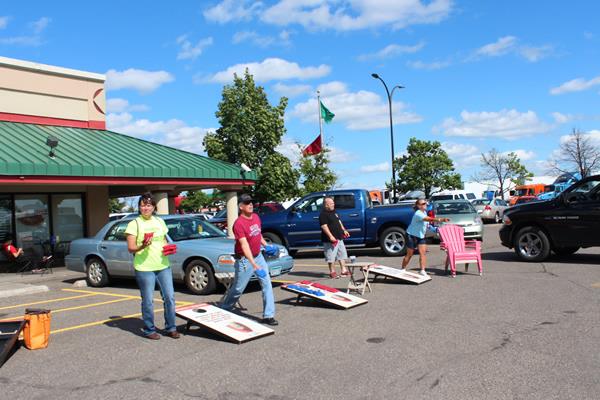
column 506, row 220
column 283, row 252
column 226, row 259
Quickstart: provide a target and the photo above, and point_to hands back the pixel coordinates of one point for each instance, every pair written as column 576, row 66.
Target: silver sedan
column 461, row 213
column 490, row 210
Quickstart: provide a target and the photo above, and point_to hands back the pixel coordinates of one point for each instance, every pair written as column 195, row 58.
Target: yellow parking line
column 96, row 323
column 179, row 303
column 596, row 285
column 282, row 281
column 48, row 301
column 79, row 307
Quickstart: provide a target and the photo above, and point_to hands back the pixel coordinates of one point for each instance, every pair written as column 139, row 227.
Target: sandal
column 333, row 275
column 347, row 273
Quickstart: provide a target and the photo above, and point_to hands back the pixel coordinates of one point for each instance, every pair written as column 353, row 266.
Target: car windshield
column 521, row 192
column 481, row 202
column 191, row 228
column 458, row 207
column 442, row 197
column 548, row 188
column 221, row 214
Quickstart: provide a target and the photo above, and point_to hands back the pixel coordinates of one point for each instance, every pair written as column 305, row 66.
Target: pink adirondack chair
column 459, row 250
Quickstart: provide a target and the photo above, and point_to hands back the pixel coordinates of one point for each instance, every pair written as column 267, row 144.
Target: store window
column 6, row 208
column 67, row 217
column 32, row 224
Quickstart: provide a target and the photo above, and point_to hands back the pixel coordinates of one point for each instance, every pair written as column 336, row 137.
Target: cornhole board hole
column 324, row 294
column 224, row 323
column 395, row 273
column 9, row 334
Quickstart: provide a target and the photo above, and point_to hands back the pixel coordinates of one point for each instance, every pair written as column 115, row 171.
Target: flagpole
column 320, row 119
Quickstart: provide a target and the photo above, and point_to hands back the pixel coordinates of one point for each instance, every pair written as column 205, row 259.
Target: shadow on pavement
column 131, row 325
column 577, row 258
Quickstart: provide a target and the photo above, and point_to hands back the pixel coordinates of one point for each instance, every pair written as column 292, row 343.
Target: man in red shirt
column 10, row 250
column 249, row 260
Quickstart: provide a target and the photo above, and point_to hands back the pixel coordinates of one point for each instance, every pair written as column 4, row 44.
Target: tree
column 250, row 131
column 115, row 206
column 577, row 152
column 316, row 176
column 426, row 167
column 195, row 200
column 499, row 167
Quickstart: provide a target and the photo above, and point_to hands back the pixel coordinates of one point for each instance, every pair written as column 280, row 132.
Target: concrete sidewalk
column 15, row 284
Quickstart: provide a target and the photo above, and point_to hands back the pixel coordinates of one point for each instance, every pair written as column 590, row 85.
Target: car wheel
column 199, row 277
column 393, row 241
column 272, row 238
column 565, row 251
column 96, row 274
column 497, row 218
column 532, row 244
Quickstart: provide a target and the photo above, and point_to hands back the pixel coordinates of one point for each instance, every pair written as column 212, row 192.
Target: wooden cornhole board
column 224, row 323
column 395, row 273
column 330, row 295
column 9, row 334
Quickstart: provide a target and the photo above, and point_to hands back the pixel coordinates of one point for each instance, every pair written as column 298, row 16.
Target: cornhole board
column 224, row 323
column 331, row 296
column 9, row 334
column 396, row 273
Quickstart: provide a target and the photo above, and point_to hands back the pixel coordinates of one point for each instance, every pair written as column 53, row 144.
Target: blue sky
column 512, row 75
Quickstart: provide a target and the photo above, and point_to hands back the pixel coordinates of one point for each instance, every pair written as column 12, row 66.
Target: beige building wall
column 97, row 208
column 40, row 90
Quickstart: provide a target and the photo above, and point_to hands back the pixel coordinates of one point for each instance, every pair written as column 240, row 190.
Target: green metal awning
column 100, row 153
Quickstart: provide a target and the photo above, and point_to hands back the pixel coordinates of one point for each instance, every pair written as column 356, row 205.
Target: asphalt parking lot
column 522, row 331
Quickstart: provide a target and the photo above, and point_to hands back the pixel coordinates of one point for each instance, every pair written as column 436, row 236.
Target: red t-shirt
column 9, row 249
column 250, row 229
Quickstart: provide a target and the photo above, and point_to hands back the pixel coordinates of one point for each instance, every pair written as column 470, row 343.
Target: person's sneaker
column 423, row 273
column 270, row 321
column 403, row 269
column 173, row 334
column 153, row 336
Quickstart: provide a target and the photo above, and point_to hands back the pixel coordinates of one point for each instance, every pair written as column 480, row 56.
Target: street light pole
column 389, row 97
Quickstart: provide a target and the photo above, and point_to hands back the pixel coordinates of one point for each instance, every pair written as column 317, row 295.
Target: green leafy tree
column 498, row 168
column 426, row 167
column 115, row 206
column 316, row 176
column 250, row 131
column 195, row 200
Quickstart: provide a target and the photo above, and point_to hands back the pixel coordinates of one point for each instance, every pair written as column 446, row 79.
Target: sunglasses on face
column 422, row 204
column 246, row 203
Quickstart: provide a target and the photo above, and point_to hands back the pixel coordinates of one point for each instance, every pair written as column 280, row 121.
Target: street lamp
column 389, row 96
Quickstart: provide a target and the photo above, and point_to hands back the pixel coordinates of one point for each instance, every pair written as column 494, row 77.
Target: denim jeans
column 147, row 282
column 243, row 273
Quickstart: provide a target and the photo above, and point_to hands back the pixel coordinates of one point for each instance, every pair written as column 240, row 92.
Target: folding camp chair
column 459, row 250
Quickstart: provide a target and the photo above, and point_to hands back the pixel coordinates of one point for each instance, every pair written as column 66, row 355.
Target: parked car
column 490, row 210
column 526, row 192
column 560, row 184
column 298, row 226
column 460, row 212
column 203, row 252
column 562, row 225
column 453, row 195
column 117, row 216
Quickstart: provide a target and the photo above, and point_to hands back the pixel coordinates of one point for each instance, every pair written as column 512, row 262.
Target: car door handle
column 353, row 215
column 103, row 247
column 315, row 217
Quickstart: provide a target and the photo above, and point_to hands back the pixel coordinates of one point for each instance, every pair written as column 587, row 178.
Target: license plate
column 274, row 271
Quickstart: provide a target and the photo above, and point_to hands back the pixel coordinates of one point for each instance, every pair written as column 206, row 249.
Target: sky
column 510, row 75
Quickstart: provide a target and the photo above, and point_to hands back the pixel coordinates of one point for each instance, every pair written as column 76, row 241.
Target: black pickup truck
column 562, row 225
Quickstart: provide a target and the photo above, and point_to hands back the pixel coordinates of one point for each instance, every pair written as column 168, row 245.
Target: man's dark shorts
column 413, row 242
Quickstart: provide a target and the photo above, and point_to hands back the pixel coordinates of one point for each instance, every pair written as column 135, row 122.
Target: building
column 59, row 165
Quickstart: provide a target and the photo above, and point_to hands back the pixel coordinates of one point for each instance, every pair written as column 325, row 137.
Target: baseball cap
column 245, row 198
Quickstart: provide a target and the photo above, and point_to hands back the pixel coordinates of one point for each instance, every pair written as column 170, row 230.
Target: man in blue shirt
column 416, row 235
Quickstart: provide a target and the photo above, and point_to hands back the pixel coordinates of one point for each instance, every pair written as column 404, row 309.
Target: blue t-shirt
column 418, row 226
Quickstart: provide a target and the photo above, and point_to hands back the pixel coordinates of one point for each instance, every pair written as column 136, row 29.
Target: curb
column 20, row 289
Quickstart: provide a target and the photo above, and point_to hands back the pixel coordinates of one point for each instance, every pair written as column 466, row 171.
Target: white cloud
column 524, row 155
column 392, row 50
column 362, row 110
column 500, row 47
column 510, row 45
column 40, row 25
column 173, row 132
column 562, row 118
column 3, row 22
column 137, row 79
column 291, row 91
column 576, row 85
column 337, row 155
column 356, row 14
column 283, row 39
column 117, row 105
column 332, row 88
column 593, row 136
column 270, row 69
column 232, row 11
column 503, row 124
column 463, row 155
column 431, row 66
column 190, row 51
column 22, row 40
column 382, row 167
